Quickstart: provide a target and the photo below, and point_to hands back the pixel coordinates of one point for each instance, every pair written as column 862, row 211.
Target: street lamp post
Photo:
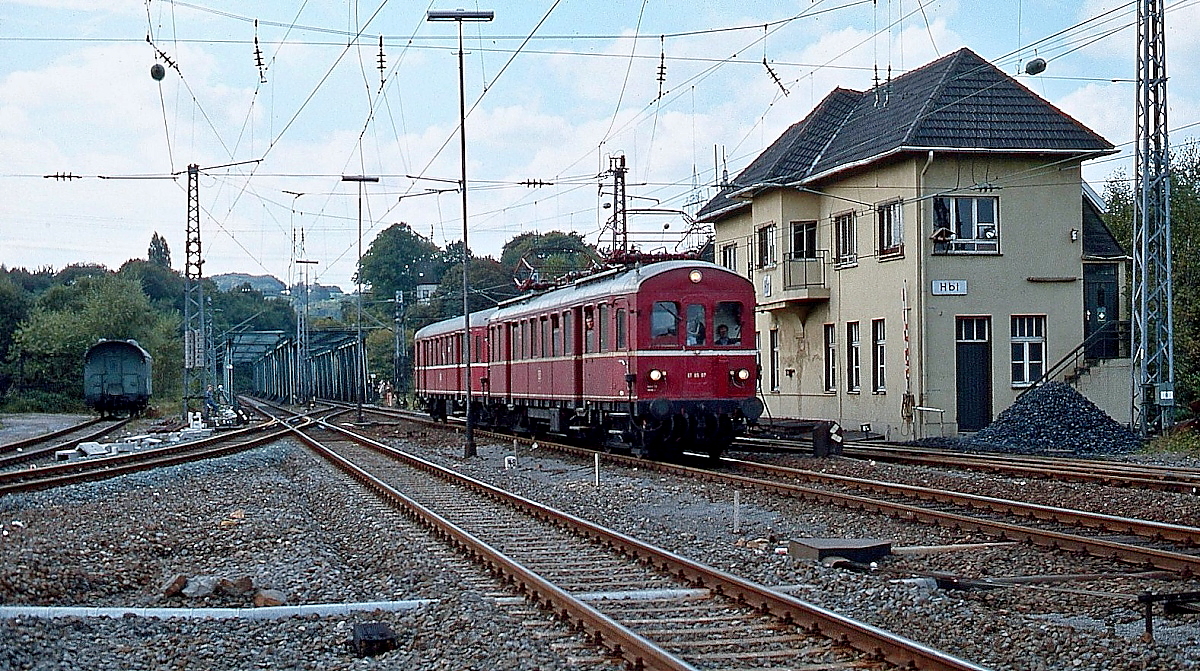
column 360, row 378
column 459, row 16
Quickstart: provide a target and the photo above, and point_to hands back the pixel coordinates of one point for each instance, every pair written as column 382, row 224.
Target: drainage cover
column 373, row 638
column 862, row 550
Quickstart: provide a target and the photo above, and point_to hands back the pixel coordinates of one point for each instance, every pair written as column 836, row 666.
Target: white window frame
column 878, row 356
column 845, row 228
column 729, row 256
column 804, row 240
column 1028, row 349
column 831, row 358
column 889, row 218
column 764, row 242
column 775, row 360
column 853, row 358
column 971, row 235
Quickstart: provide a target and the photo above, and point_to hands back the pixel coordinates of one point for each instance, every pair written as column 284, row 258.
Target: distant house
column 921, row 255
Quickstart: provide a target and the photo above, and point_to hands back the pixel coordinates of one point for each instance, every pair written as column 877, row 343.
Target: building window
column 830, row 357
column 774, row 359
column 853, row 359
column 878, row 350
column 1028, row 349
column 891, row 229
column 845, row 239
column 967, row 224
column 729, row 256
column 766, row 246
column 804, row 239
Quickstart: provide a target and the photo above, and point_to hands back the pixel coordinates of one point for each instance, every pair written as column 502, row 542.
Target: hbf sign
column 949, row 287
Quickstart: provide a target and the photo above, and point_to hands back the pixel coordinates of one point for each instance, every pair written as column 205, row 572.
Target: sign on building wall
column 949, row 287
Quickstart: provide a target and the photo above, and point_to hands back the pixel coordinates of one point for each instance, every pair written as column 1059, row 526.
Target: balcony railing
column 805, row 269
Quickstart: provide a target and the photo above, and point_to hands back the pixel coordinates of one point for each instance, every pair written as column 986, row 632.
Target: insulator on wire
column 258, row 56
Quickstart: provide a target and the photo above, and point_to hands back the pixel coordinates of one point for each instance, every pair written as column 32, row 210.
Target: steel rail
column 1148, row 528
column 21, row 457
column 1164, row 559
column 44, row 477
column 866, row 638
column 1162, row 478
column 638, row 651
column 34, row 440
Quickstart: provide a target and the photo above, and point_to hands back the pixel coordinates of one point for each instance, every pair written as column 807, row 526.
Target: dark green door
column 1100, row 309
column 973, row 373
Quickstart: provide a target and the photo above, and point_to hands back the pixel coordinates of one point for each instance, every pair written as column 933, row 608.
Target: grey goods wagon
column 116, row 377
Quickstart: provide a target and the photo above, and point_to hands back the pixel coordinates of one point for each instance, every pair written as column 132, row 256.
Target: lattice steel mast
column 199, row 360
column 1153, row 330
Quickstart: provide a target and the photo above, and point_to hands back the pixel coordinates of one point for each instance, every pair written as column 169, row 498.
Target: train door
column 973, row 372
column 573, row 334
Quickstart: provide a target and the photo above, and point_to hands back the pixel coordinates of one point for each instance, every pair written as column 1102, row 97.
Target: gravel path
column 274, row 514
column 1089, row 625
column 292, row 524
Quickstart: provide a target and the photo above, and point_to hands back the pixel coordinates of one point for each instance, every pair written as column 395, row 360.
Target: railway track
column 45, row 445
column 1164, row 546
column 54, row 475
column 1096, row 471
column 655, row 609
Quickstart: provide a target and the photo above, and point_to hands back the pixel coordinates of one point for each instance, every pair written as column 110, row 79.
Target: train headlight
column 695, row 276
column 657, row 375
column 741, row 374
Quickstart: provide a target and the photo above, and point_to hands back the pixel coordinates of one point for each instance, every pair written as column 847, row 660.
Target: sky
column 277, row 102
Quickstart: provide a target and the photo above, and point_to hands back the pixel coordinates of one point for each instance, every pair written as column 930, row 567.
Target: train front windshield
column 725, row 328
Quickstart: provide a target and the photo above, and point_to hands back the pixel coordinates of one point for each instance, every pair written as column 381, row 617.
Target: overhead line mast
column 1153, row 331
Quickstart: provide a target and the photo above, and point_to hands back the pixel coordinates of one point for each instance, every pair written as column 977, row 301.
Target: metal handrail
column 1073, row 356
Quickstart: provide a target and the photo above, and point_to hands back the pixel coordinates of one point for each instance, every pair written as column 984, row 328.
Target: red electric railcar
column 654, row 359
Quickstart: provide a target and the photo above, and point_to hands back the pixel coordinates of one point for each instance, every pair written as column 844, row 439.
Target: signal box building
column 924, row 251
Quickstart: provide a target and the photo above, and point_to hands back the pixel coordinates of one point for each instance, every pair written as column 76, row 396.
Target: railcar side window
column 589, row 331
column 696, row 330
column 664, row 323
column 622, row 327
column 545, row 337
column 568, row 335
column 727, row 319
column 555, row 336
column 602, row 320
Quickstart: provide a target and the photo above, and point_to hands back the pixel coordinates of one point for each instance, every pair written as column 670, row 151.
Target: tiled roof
column 958, row 102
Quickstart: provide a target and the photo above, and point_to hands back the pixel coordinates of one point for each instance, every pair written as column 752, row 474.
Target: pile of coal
column 1056, row 418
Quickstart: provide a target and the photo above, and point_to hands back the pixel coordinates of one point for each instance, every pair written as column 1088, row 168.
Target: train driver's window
column 728, row 321
column 664, row 323
column 589, row 330
column 696, row 333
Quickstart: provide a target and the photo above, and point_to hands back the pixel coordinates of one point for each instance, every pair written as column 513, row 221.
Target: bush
column 42, row 401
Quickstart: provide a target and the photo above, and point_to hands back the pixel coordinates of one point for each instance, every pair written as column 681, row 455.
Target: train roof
column 623, row 280
column 454, row 324
column 106, row 343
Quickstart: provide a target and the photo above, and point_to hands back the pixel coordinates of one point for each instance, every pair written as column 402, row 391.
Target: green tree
column 163, row 286
column 159, row 253
column 1185, row 255
column 490, row 284
column 550, row 255
column 398, row 260
column 48, row 347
